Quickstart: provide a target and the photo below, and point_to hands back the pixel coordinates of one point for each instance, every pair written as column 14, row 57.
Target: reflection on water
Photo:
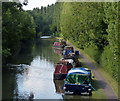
column 59, row 86
column 34, row 80
column 37, row 80
column 58, row 51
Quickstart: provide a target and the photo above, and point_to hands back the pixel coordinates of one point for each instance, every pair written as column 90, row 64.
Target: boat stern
column 77, row 89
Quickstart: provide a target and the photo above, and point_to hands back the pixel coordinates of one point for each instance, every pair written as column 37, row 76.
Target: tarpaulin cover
column 79, row 71
column 78, row 76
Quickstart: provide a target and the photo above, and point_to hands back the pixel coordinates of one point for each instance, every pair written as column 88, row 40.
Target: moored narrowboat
column 59, row 44
column 68, row 51
column 67, row 61
column 61, row 70
column 78, row 81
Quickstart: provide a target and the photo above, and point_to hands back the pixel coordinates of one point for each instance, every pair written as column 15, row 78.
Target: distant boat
column 69, row 53
column 44, row 37
column 78, row 81
column 59, row 43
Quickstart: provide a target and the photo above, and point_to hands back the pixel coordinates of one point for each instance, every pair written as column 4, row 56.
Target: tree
column 17, row 25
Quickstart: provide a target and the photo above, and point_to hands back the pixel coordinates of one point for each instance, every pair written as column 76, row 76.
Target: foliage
column 17, row 27
column 43, row 20
column 93, row 27
column 47, row 19
column 6, row 52
column 109, row 58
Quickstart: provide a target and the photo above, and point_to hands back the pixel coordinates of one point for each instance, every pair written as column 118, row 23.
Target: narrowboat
column 60, row 44
column 61, row 70
column 67, row 61
column 72, row 56
column 78, row 81
column 68, row 51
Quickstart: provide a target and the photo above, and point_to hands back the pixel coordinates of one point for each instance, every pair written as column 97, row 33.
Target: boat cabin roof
column 80, row 71
column 68, row 47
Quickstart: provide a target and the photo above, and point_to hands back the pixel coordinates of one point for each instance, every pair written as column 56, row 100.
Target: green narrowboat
column 78, row 81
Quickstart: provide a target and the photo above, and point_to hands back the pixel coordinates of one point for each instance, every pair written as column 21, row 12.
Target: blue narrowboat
column 78, row 81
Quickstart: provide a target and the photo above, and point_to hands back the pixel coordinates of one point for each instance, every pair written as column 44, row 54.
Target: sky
column 38, row 3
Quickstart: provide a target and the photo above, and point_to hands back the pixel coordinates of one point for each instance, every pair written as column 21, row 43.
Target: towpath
column 101, row 80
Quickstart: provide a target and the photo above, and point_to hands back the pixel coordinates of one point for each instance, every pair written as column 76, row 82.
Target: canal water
column 30, row 74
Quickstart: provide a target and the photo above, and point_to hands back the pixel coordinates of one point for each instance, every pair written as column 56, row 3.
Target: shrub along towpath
column 102, row 87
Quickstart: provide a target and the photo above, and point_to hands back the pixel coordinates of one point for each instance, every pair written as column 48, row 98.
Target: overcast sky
column 38, row 3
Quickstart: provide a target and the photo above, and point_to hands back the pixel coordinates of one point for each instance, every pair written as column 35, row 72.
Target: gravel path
column 101, row 80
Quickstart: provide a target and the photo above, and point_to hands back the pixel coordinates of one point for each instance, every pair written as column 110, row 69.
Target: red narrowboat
column 61, row 70
column 59, row 44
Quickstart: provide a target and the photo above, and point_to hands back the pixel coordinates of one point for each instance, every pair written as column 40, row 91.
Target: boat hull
column 78, row 89
column 59, row 76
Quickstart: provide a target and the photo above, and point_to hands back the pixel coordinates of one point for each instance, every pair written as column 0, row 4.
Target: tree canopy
column 17, row 27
